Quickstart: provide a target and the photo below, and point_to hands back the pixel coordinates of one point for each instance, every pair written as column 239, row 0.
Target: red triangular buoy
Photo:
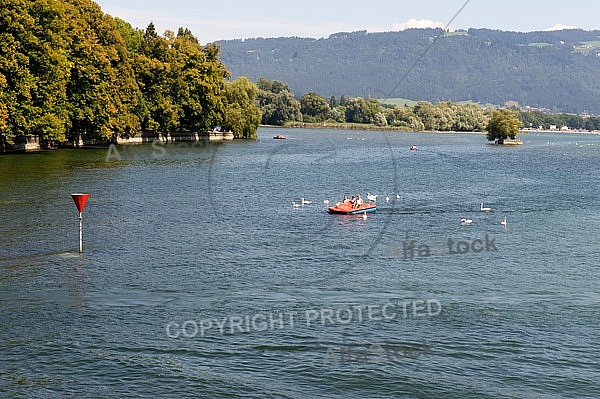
column 80, row 200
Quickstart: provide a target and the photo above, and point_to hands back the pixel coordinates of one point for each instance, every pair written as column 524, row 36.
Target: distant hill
column 557, row 70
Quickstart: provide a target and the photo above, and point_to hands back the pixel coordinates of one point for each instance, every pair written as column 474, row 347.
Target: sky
column 217, row 20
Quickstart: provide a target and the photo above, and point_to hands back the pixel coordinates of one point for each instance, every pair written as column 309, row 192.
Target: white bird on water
column 326, row 201
column 484, row 209
column 295, row 204
column 464, row 221
column 504, row 222
column 304, row 202
column 397, row 196
column 387, row 199
column 372, row 197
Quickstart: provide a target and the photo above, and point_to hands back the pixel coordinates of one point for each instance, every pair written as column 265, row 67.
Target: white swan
column 304, row 202
column 397, row 196
column 504, row 222
column 484, row 209
column 295, row 204
column 326, row 201
column 464, row 221
column 371, row 197
column 387, row 199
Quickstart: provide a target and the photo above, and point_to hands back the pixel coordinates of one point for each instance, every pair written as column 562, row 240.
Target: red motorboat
column 347, row 208
column 279, row 137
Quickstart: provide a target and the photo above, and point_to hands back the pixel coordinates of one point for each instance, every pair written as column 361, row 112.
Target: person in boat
column 346, row 200
column 359, row 201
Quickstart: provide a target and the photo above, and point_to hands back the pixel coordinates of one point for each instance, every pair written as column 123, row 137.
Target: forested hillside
column 556, row 70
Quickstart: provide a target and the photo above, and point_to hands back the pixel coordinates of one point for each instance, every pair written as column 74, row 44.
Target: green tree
column 337, row 114
column 133, row 37
column 332, row 102
column 242, row 114
column 102, row 91
column 33, row 70
column 426, row 113
column 403, row 116
column 182, row 83
column 503, row 124
column 314, row 107
column 459, row 117
column 359, row 110
column 277, row 103
column 197, row 83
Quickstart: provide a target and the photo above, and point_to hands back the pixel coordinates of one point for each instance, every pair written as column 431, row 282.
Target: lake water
column 200, row 279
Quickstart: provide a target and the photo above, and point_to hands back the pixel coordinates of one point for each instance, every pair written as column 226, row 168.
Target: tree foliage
column 70, row 72
column 314, row 107
column 101, row 89
column 543, row 120
column 242, row 114
column 33, row 70
column 503, row 124
column 404, row 116
column 360, row 110
column 277, row 103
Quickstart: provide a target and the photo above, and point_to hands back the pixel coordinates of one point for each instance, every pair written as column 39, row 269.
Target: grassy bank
column 360, row 126
column 345, row 126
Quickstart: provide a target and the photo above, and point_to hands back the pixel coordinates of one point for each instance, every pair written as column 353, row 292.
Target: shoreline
column 341, row 126
column 34, row 147
column 359, row 126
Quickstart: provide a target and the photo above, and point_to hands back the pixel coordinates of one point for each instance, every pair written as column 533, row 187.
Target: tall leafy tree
column 102, row 90
column 314, row 107
column 403, row 116
column 242, row 114
column 277, row 103
column 182, row 82
column 33, row 70
column 503, row 124
column 426, row 113
column 133, row 37
column 359, row 110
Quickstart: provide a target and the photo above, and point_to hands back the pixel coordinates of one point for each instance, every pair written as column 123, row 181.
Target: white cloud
column 561, row 27
column 418, row 24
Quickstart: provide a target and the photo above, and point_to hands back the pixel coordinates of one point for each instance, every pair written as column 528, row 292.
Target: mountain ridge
column 552, row 70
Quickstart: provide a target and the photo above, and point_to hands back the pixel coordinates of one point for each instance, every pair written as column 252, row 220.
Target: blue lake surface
column 200, row 279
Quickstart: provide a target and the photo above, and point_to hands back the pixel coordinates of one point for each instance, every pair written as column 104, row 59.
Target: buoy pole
column 80, row 232
column 80, row 200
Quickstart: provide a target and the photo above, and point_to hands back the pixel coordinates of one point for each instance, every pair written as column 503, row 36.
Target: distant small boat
column 413, row 148
column 279, row 137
